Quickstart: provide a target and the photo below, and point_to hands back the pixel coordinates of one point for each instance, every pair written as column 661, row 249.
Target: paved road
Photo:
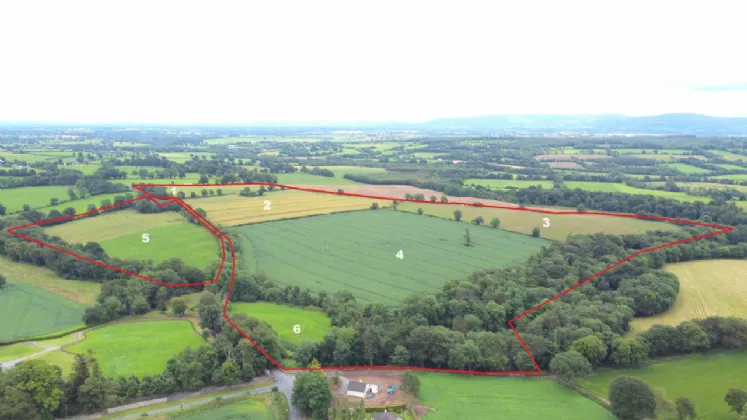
column 197, row 403
column 284, row 382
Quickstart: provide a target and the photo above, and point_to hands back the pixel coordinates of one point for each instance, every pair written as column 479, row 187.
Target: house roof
column 384, row 416
column 357, row 386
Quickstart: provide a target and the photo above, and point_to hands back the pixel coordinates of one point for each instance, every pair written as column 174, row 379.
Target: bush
column 374, row 206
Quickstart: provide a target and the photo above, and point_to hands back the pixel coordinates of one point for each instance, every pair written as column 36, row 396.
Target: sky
column 405, row 60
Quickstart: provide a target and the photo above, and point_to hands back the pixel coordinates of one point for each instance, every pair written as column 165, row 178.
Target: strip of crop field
column 357, row 252
column 83, row 292
column 236, row 210
column 561, row 226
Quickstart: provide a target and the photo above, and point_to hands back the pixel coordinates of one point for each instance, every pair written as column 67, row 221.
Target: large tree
column 632, row 399
column 736, row 398
column 685, row 409
column 591, row 347
column 311, row 394
column 40, row 381
column 570, row 364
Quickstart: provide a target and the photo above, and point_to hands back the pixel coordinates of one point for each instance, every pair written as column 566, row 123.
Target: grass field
column 14, row 198
column 342, row 170
column 58, row 358
column 83, row 292
column 314, row 324
column 236, row 210
column 356, row 251
column 730, row 166
column 624, row 151
column 503, row 183
column 738, row 177
column 181, row 157
column 686, row 169
column 189, row 178
column 301, row 178
column 613, row 187
column 704, row 379
column 140, row 348
column 120, row 234
column 707, row 288
column 26, row 157
column 561, row 226
column 479, row 397
column 253, row 408
column 666, row 158
column 16, row 351
column 728, row 155
column 27, row 311
column 81, row 205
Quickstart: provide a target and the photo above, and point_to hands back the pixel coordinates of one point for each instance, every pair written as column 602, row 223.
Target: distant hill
column 607, row 123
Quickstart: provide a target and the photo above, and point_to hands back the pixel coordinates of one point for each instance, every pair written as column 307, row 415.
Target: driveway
column 284, row 382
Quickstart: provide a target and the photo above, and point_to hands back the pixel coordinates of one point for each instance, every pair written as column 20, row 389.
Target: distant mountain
column 698, row 124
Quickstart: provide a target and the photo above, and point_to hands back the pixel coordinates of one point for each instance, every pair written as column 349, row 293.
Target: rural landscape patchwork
column 365, row 273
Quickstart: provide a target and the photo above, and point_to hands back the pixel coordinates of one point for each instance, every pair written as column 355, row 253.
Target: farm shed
column 385, row 416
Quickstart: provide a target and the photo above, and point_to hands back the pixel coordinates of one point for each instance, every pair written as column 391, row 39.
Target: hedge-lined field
column 356, row 251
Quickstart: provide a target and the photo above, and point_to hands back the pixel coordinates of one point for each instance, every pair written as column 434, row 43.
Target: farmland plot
column 379, row 256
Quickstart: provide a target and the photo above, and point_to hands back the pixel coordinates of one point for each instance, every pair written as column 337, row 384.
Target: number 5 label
column 146, row 238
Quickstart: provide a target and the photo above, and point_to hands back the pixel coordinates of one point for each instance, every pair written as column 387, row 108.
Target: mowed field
column 301, row 178
column 356, row 251
column 250, row 409
column 705, row 379
column 479, row 397
column 120, row 233
column 313, row 324
column 686, row 169
column 236, row 210
column 27, row 311
column 561, row 226
column 137, row 348
column 707, row 288
column 613, row 187
column 504, row 183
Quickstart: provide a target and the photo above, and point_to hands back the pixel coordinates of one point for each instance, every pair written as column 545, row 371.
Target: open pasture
column 626, row 151
column 25, row 157
column 357, row 251
column 704, row 379
column 561, row 226
column 614, row 187
column 237, row 210
column 27, row 311
column 728, row 155
column 253, row 408
column 686, row 169
column 14, row 198
column 137, row 348
column 120, row 233
column 480, row 397
column 666, row 158
column 707, row 288
column 508, row 183
column 181, row 157
column 313, row 324
column 81, row 205
column 301, row 178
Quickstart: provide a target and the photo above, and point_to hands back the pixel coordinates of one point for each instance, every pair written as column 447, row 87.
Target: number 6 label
column 297, row 329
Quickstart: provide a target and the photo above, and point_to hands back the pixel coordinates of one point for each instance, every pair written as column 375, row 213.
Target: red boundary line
column 165, row 200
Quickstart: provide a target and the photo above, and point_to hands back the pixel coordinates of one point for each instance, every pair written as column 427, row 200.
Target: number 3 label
column 546, row 222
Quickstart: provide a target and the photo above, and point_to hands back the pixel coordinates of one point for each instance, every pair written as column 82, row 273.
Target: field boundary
column 162, row 200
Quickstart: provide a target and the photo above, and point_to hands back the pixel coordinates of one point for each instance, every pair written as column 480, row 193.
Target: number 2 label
column 267, row 205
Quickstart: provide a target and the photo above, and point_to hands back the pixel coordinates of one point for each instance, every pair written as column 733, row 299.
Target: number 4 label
column 400, row 255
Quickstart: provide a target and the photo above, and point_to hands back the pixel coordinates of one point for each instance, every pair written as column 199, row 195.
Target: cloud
column 721, row 88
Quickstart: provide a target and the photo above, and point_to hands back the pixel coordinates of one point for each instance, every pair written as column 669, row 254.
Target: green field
column 181, row 157
column 120, row 233
column 140, row 348
column 686, row 169
column 313, row 324
column 707, row 288
column 83, row 292
column 561, row 226
column 704, row 379
column 480, row 397
column 14, row 198
column 356, row 251
column 729, row 155
column 16, row 351
column 27, row 311
column 625, row 151
column 504, row 183
column 253, row 408
column 58, row 358
column 81, row 205
column 342, row 170
column 189, row 178
column 730, row 166
column 301, row 178
column 613, row 187
column 26, row 157
column 738, row 177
